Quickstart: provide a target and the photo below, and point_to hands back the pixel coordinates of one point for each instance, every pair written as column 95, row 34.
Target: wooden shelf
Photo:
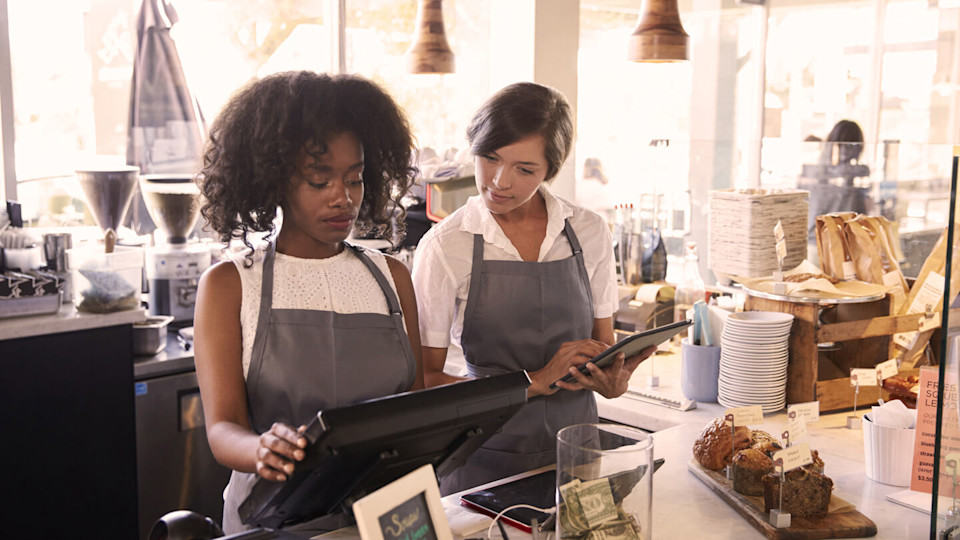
column 863, row 333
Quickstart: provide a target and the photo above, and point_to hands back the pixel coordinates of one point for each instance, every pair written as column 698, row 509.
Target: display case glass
column 945, row 514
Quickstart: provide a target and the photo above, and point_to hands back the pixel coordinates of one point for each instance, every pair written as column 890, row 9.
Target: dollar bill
column 596, row 502
column 615, row 530
column 572, row 521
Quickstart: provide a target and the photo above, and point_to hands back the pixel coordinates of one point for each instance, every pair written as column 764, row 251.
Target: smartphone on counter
column 631, row 346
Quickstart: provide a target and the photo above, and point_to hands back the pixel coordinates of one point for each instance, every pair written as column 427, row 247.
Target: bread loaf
column 716, row 445
column 806, row 493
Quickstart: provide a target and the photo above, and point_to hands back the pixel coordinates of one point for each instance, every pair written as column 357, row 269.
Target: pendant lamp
column 430, row 52
column 659, row 36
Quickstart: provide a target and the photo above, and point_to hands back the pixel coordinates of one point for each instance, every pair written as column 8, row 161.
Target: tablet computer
column 631, row 346
column 538, row 490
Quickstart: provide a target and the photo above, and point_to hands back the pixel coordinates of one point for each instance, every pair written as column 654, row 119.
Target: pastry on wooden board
column 714, row 449
column 749, row 467
column 806, row 493
column 765, row 442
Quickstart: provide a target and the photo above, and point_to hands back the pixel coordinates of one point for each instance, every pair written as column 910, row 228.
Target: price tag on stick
column 779, row 518
column 797, row 455
column 730, row 419
column 744, row 416
column 887, row 369
column 858, row 378
column 863, row 377
column 796, row 427
column 809, row 411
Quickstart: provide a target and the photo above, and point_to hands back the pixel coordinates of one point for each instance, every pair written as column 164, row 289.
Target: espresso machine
column 174, row 263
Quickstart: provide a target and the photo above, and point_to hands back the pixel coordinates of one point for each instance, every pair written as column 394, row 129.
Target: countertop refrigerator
column 175, row 467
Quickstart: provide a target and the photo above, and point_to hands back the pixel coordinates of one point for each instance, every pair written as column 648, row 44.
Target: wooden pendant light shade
column 659, row 36
column 430, row 52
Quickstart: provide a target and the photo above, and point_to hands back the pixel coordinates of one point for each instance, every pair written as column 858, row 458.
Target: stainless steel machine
column 174, row 264
column 175, row 468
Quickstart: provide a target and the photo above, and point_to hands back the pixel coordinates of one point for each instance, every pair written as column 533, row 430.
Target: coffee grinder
column 108, row 193
column 175, row 262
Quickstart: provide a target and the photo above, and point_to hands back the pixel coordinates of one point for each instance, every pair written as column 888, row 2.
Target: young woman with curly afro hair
column 304, row 320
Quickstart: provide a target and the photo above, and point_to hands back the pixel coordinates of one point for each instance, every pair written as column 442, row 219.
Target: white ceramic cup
column 699, row 371
column 888, row 453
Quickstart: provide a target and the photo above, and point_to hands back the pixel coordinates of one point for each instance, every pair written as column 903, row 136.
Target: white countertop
column 67, row 319
column 683, row 506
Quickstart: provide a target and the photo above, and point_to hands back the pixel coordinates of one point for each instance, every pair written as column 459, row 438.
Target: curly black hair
column 252, row 146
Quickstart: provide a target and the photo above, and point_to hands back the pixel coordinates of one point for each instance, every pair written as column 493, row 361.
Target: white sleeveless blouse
column 341, row 283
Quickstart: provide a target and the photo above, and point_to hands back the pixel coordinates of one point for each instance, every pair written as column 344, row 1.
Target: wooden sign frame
column 374, row 510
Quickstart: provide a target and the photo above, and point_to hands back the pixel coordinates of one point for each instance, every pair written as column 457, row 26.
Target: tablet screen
column 537, row 490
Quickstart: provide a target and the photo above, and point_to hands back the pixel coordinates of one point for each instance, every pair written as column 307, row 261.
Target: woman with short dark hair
column 523, row 280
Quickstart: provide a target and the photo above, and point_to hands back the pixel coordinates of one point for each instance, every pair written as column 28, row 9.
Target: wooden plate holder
column 862, row 332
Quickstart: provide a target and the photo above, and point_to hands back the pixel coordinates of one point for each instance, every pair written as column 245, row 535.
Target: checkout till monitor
column 355, row 450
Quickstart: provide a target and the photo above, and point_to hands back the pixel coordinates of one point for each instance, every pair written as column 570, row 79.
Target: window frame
column 7, row 158
column 8, row 188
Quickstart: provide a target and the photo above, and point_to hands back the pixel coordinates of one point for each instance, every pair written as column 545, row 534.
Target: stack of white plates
column 755, row 348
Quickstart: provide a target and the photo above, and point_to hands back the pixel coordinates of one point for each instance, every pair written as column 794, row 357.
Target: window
column 439, row 107
column 71, row 94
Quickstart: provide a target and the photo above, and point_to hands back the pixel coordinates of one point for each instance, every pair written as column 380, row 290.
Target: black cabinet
column 69, row 442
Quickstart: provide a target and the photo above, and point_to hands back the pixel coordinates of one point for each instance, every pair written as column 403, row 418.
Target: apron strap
column 578, row 253
column 263, row 323
column 475, row 271
column 393, row 303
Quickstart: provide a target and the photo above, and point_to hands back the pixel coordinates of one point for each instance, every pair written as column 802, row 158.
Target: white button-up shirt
column 444, row 261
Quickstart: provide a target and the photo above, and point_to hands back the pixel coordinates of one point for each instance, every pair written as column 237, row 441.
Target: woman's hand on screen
column 570, row 355
column 280, row 448
column 611, row 381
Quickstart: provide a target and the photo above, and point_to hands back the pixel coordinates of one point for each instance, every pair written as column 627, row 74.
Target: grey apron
column 518, row 313
column 306, row 360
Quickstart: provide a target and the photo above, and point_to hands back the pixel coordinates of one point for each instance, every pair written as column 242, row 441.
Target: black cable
column 503, row 531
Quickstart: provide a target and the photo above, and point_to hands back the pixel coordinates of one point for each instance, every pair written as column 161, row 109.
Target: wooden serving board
column 849, row 524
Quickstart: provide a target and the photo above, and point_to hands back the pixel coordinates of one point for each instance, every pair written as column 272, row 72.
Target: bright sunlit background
column 661, row 135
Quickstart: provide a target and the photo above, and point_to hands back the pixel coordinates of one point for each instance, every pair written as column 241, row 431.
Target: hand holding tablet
column 630, row 346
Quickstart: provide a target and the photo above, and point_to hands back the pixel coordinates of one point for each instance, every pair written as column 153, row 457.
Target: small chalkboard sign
column 408, row 521
column 407, row 509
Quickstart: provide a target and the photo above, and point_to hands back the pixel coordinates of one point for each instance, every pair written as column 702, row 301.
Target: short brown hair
column 518, row 111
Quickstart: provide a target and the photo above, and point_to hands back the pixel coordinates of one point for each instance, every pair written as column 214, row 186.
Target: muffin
column 749, row 467
column 713, row 449
column 806, row 493
column 763, row 441
column 817, row 465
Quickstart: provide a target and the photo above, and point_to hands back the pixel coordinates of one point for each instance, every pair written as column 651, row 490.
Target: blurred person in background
column 593, row 190
column 831, row 185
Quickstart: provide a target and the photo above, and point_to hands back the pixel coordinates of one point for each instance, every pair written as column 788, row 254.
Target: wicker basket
column 741, row 238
